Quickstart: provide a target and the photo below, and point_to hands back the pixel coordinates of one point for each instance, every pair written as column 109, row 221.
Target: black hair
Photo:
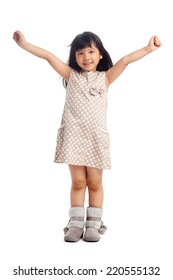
column 85, row 40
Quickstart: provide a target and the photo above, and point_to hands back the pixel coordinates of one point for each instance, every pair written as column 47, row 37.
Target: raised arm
column 59, row 66
column 113, row 73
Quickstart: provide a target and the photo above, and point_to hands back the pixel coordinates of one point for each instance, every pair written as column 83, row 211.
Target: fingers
column 16, row 35
column 156, row 41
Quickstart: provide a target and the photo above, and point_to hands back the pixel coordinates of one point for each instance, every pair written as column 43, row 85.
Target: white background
column 34, row 190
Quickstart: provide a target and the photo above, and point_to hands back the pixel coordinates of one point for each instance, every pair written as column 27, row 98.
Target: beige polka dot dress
column 83, row 138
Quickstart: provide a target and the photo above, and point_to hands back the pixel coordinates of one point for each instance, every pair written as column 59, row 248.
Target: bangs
column 82, row 41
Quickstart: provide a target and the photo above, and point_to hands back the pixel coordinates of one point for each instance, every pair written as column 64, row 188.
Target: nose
column 86, row 56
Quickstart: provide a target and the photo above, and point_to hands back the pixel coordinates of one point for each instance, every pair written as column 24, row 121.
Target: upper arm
column 59, row 66
column 115, row 71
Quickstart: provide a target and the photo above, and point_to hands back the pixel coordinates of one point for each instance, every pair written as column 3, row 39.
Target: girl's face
column 88, row 58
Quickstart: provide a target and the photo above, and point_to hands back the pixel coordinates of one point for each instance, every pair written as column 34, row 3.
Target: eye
column 91, row 51
column 79, row 53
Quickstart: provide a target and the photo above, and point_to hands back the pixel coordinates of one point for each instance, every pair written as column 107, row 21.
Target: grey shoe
column 74, row 230
column 94, row 225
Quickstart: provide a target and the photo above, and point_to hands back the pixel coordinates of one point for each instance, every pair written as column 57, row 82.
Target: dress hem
column 80, row 164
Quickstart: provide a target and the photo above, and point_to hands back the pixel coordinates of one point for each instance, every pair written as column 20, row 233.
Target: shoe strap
column 97, row 225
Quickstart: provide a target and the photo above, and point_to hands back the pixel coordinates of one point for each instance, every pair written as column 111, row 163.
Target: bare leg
column 95, row 188
column 94, row 224
column 78, row 188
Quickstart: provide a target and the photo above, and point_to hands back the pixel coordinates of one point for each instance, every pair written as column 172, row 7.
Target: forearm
column 55, row 62
column 37, row 51
column 113, row 73
column 136, row 55
column 120, row 66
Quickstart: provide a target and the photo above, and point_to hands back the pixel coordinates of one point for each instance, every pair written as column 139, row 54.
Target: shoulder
column 102, row 76
column 75, row 77
column 74, row 74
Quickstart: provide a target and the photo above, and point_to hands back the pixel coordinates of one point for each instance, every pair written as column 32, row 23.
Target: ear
column 101, row 56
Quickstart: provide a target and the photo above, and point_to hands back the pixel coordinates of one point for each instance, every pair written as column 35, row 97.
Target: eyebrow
column 91, row 48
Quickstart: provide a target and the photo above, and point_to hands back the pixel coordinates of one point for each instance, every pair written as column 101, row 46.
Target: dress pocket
column 60, row 136
column 104, row 139
column 61, row 126
column 104, row 130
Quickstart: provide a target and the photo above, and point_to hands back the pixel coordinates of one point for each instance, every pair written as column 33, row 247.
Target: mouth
column 87, row 63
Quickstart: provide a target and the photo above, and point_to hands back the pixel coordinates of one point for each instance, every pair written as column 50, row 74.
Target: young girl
column 83, row 139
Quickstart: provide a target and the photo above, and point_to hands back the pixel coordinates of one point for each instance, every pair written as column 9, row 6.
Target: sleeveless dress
column 83, row 138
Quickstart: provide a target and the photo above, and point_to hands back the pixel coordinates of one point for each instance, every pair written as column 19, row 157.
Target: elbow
column 124, row 61
column 47, row 56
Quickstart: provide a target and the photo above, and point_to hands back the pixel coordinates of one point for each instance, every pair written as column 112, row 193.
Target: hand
column 19, row 38
column 154, row 43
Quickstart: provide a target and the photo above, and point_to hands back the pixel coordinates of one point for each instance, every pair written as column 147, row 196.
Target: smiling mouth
column 87, row 63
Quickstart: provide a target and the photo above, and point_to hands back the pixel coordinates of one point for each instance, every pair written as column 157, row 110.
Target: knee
column 79, row 184
column 94, row 184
